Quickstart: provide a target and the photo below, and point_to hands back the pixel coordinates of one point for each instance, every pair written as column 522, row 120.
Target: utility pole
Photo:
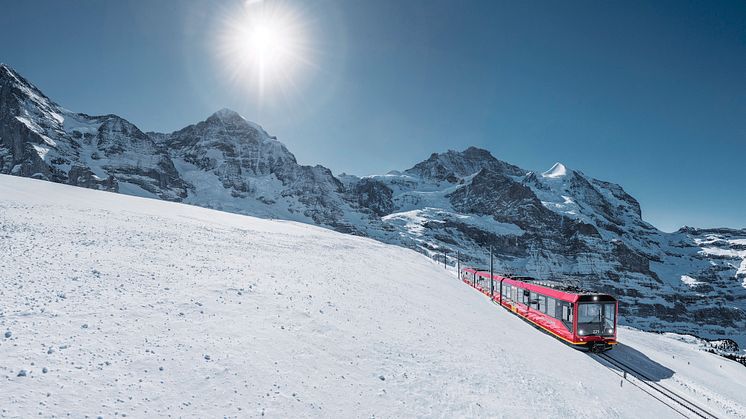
column 492, row 282
column 458, row 263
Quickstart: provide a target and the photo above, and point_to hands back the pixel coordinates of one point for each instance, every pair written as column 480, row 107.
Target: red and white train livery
column 584, row 320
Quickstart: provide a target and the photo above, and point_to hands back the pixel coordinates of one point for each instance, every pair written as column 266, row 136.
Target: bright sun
column 266, row 45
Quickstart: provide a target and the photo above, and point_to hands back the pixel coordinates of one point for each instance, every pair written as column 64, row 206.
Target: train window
column 608, row 316
column 542, row 304
column 589, row 313
column 567, row 312
column 551, row 303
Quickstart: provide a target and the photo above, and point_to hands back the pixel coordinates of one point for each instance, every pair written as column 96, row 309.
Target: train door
column 567, row 316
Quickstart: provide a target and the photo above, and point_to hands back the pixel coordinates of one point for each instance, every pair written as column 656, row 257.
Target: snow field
column 118, row 305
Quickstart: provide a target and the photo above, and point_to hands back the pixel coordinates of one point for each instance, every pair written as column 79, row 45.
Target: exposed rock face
column 452, row 165
column 22, row 144
column 38, row 138
column 83, row 176
column 560, row 224
column 375, row 195
column 502, row 197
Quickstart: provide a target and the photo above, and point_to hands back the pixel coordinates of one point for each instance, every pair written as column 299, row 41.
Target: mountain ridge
column 555, row 224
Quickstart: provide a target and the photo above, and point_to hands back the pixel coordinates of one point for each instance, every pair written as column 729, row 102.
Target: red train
column 584, row 320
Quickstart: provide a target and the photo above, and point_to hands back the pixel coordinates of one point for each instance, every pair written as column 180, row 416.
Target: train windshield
column 596, row 318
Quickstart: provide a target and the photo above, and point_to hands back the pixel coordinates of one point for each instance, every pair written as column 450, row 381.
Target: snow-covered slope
column 114, row 305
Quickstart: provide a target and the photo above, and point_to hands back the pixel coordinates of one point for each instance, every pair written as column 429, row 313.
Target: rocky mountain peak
column 10, row 77
column 452, row 165
column 16, row 92
column 116, row 134
column 228, row 131
column 7, row 73
column 226, row 115
column 475, row 153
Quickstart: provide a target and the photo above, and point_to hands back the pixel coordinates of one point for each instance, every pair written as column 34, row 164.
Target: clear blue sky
column 650, row 95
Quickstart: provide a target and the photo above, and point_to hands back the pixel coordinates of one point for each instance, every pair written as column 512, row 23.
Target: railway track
column 676, row 402
column 640, row 379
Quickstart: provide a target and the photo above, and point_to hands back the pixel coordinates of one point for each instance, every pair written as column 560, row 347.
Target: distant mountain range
column 559, row 224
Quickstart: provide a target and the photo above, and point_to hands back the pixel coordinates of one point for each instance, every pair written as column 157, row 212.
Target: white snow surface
column 688, row 280
column 556, row 171
column 118, row 305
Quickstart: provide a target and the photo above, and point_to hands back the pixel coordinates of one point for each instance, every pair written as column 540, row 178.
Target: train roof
column 562, row 286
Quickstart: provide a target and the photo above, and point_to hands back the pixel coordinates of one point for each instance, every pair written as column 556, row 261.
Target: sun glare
column 266, row 45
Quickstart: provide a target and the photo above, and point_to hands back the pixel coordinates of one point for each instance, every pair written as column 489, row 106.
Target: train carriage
column 582, row 319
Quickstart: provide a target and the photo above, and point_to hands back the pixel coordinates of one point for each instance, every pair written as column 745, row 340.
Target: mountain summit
column 226, row 114
column 558, row 170
column 452, row 165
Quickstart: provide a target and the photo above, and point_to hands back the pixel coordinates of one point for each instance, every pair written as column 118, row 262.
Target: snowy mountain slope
column 559, row 224
column 224, row 162
column 40, row 139
column 118, row 305
column 231, row 163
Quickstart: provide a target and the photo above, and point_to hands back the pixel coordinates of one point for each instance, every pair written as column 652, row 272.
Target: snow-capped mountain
column 564, row 225
column 40, row 139
column 559, row 224
column 232, row 164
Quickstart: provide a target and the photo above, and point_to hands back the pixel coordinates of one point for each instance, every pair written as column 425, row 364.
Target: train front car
column 596, row 321
column 582, row 319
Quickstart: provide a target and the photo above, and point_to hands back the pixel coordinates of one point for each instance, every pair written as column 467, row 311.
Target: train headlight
column 610, row 331
column 581, row 332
